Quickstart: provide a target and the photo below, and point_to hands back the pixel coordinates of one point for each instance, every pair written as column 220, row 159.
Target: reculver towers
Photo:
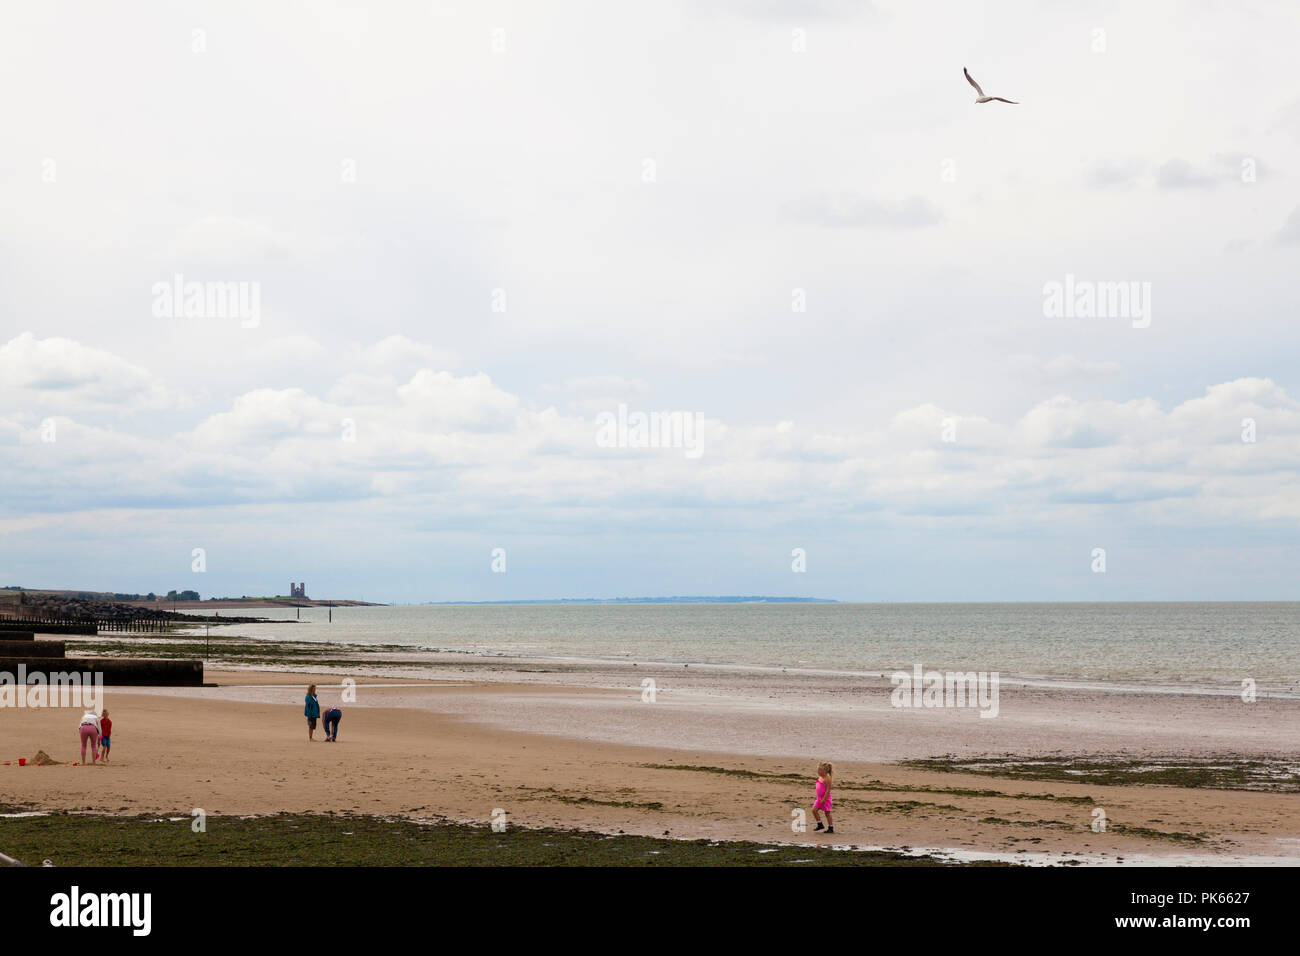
column 298, row 590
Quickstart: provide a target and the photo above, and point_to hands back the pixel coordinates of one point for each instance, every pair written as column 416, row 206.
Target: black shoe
column 819, row 826
column 830, row 829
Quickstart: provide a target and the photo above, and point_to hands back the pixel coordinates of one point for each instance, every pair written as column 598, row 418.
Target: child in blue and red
column 823, row 804
column 105, row 729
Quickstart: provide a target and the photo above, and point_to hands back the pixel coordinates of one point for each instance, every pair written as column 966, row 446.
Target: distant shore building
column 298, row 590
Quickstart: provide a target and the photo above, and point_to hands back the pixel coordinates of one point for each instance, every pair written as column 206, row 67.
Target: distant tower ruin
column 298, row 590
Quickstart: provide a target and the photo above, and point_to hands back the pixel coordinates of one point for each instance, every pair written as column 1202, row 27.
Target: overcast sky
column 466, row 230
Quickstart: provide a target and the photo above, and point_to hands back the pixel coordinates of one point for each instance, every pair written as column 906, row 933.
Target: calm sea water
column 1177, row 644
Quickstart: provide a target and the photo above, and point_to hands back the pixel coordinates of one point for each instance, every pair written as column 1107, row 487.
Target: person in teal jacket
column 312, row 711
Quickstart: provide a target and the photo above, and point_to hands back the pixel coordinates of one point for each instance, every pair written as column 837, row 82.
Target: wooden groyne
column 21, row 649
column 88, row 625
column 31, row 646
column 144, row 625
column 116, row 671
column 35, row 626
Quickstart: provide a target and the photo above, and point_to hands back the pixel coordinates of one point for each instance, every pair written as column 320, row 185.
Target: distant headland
column 717, row 599
column 177, row 600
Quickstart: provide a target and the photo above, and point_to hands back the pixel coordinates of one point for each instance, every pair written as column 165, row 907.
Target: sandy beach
column 727, row 756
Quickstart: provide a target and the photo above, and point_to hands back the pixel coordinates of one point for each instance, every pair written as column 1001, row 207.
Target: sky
column 915, row 348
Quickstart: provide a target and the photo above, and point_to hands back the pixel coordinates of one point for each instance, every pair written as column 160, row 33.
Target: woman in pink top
column 823, row 804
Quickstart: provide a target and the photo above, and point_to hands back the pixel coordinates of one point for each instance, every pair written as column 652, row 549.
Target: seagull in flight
column 982, row 98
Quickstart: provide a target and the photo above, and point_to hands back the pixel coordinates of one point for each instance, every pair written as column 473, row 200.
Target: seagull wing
column 1001, row 100
column 971, row 80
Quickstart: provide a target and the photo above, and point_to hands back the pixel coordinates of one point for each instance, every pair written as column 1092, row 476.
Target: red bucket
column 22, row 761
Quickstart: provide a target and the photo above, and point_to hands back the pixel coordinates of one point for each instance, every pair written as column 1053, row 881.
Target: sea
column 1216, row 647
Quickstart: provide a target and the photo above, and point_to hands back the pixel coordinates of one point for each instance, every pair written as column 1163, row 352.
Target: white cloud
column 398, row 354
column 468, row 441
column 356, row 388
column 440, row 400
column 266, row 416
column 59, row 374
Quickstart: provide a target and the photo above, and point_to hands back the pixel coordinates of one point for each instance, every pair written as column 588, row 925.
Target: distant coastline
column 15, row 596
column 259, row 602
column 720, row 599
column 176, row 603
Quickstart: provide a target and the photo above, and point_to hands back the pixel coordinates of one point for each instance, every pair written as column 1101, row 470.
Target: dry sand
column 580, row 756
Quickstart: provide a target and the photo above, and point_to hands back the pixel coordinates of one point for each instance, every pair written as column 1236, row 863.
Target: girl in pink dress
column 823, row 803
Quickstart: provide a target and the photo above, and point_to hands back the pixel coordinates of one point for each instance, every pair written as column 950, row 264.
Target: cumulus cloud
column 1062, row 421
column 266, row 416
column 474, row 445
column 60, row 374
column 358, row 388
column 440, row 400
column 398, row 354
